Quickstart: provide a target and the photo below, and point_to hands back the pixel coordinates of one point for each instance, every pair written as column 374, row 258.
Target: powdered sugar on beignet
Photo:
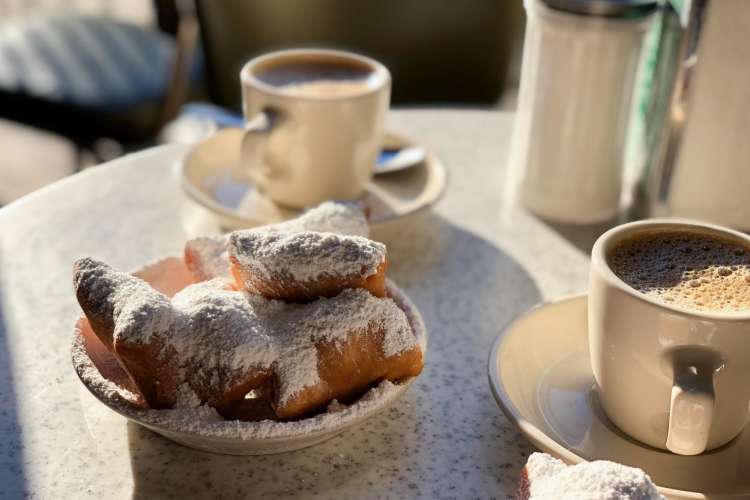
column 547, row 478
column 224, row 347
column 299, row 267
column 332, row 320
column 354, row 338
column 222, row 323
column 121, row 305
column 206, row 257
column 211, row 344
column 207, row 336
column 345, row 218
column 134, row 321
column 305, row 256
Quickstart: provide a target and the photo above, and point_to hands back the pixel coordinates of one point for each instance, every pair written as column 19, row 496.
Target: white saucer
column 540, row 376
column 104, row 378
column 220, row 192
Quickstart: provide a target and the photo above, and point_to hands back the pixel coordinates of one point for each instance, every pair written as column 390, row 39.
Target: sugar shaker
column 578, row 74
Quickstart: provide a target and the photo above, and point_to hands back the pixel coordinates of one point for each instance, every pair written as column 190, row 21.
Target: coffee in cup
column 686, row 269
column 321, row 79
column 669, row 332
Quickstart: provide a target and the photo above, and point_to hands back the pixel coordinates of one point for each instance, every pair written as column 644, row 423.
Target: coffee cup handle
column 257, row 131
column 691, row 406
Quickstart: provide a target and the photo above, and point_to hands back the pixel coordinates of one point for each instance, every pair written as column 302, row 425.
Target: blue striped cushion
column 86, row 62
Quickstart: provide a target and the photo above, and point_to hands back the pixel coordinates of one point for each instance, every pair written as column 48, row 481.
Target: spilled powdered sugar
column 210, row 258
column 305, row 256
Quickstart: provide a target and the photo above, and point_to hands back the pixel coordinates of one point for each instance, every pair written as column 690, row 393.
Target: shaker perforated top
column 605, row 8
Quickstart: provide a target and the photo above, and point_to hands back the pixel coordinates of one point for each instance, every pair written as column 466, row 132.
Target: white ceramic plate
column 102, row 376
column 215, row 184
column 541, row 378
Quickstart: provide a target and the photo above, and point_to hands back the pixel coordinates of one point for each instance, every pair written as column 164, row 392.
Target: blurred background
column 86, row 81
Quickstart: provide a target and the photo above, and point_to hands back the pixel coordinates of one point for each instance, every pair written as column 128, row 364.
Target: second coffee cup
column 669, row 332
column 314, row 123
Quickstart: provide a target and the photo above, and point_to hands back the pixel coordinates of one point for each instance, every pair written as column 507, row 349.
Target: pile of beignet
column 295, row 315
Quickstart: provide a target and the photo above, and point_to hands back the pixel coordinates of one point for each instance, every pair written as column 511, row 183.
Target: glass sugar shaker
column 579, row 68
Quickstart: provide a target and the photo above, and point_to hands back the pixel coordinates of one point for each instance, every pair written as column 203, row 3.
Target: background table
column 470, row 265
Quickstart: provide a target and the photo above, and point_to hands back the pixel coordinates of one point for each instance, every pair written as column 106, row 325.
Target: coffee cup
column 314, row 124
column 669, row 332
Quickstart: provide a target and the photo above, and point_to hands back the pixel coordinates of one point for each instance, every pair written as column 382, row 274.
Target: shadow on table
column 12, row 476
column 466, row 289
column 583, row 236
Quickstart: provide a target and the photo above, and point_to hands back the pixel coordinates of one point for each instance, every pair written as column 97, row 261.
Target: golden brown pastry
column 212, row 345
column 205, row 345
column 207, row 258
column 300, row 267
column 283, row 319
column 339, row 347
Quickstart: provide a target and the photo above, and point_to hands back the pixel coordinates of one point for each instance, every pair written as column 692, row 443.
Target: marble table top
column 471, row 264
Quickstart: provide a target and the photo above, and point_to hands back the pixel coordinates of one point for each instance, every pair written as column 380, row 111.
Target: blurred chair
column 437, row 51
column 87, row 77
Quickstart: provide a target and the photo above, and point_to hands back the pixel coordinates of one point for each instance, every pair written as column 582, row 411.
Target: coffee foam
column 690, row 270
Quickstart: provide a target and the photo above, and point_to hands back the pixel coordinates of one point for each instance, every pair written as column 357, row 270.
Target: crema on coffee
column 693, row 270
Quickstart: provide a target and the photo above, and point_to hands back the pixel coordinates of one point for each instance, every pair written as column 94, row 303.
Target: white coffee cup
column 314, row 123
column 671, row 377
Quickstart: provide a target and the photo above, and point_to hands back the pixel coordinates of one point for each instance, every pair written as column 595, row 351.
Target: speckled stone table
column 470, row 265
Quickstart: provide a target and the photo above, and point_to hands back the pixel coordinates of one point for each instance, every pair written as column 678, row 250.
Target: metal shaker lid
column 605, row 8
